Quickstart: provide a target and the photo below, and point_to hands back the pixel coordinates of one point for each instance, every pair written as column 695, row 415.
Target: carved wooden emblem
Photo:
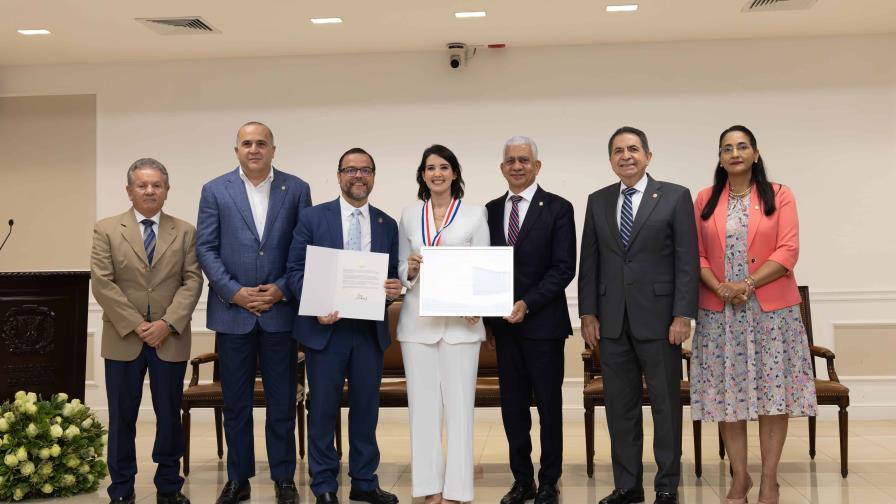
column 29, row 329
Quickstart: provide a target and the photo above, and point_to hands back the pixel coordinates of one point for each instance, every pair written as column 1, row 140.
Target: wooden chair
column 208, row 395
column 593, row 396
column 830, row 392
column 394, row 391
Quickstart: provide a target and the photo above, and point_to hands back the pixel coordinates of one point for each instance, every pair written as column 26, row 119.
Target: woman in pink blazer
column 750, row 355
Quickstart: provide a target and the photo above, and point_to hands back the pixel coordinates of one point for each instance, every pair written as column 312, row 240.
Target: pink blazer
column 774, row 237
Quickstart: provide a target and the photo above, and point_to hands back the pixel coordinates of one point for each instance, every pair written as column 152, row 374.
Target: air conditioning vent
column 178, row 25
column 777, row 5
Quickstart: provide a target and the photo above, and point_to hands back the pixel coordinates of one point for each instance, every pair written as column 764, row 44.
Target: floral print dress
column 747, row 362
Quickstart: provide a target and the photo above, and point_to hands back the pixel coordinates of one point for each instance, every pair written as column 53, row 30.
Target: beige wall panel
column 865, row 350
column 48, row 181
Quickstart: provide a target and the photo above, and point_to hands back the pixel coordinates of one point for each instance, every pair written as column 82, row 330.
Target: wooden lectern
column 43, row 332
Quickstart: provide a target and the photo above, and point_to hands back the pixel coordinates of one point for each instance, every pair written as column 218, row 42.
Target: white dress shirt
column 636, row 198
column 155, row 223
column 259, row 197
column 527, row 194
column 346, row 210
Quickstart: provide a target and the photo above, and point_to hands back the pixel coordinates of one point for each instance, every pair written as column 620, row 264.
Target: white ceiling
column 105, row 30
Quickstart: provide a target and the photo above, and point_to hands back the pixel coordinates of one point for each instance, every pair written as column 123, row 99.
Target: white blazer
column 469, row 229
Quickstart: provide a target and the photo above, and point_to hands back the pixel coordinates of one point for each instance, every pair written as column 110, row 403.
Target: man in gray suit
column 638, row 279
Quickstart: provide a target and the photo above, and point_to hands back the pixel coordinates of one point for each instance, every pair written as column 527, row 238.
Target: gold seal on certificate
column 466, row 281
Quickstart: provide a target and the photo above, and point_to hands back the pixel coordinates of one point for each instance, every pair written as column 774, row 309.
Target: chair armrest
column 196, row 361
column 828, row 356
column 590, row 366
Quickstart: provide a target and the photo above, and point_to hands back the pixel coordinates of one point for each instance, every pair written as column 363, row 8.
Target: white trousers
column 441, row 384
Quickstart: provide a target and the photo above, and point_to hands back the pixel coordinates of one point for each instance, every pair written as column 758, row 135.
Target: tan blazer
column 124, row 284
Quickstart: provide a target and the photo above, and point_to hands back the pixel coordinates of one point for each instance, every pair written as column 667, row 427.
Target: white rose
column 83, row 468
column 62, row 396
column 18, row 493
column 26, row 468
column 72, row 432
column 67, row 480
column 4, row 425
column 55, row 450
column 21, row 454
column 31, row 430
column 30, row 408
column 21, row 395
column 11, row 460
column 46, row 488
column 55, row 431
column 68, row 409
column 31, row 397
column 9, row 416
column 86, row 423
column 43, row 453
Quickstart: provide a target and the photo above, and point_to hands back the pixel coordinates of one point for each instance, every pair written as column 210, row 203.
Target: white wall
column 824, row 111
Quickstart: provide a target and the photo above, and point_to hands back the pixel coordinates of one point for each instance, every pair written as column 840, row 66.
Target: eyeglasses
column 729, row 149
column 354, row 171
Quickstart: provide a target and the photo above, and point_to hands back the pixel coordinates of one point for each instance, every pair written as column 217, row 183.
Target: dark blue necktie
column 627, row 216
column 149, row 239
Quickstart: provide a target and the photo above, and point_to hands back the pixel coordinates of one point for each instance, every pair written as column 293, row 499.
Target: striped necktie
column 149, row 239
column 513, row 225
column 627, row 216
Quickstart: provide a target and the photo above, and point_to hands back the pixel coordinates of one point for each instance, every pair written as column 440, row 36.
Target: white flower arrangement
column 49, row 448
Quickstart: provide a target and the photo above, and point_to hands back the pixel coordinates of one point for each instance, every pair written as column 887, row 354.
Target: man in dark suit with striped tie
column 539, row 226
column 638, row 280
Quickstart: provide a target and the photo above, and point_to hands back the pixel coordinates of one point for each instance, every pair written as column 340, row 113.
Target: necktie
column 513, row 225
column 149, row 239
column 626, row 216
column 354, row 231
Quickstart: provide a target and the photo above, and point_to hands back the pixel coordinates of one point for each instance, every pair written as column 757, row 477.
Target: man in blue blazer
column 529, row 342
column 336, row 349
column 245, row 226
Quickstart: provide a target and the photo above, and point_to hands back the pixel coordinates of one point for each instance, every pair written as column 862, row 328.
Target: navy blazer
column 232, row 255
column 544, row 263
column 321, row 226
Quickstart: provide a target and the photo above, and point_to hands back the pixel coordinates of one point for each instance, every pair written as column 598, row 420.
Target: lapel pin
column 541, row 203
column 653, row 195
column 283, row 188
column 380, row 220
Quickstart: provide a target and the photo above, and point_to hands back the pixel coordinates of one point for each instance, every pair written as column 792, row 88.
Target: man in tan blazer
column 146, row 277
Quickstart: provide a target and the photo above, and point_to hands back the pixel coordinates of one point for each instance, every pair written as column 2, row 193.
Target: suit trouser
column 527, row 367
column 124, row 389
column 622, row 361
column 353, row 351
column 240, row 356
column 441, row 381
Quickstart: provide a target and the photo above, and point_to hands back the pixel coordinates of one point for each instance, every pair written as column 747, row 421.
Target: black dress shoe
column 666, row 498
column 547, row 494
column 286, row 493
column 234, row 492
column 519, row 493
column 327, row 498
column 130, row 499
column 171, row 498
column 377, row 496
column 620, row 496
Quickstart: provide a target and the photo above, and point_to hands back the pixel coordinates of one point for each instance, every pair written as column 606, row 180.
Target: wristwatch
column 171, row 328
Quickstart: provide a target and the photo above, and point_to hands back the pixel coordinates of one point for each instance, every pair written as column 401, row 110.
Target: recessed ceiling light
column 472, row 14
column 333, row 20
column 34, row 32
column 622, row 8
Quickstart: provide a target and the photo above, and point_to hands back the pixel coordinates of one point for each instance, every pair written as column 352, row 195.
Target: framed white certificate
column 346, row 281
column 466, row 281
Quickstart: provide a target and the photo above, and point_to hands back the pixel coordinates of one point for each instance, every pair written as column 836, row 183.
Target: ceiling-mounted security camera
column 459, row 53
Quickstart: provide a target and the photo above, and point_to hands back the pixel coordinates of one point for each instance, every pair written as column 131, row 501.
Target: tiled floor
column 872, row 463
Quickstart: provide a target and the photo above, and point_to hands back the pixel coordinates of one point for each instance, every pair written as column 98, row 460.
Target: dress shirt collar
column 155, row 218
column 527, row 193
column 267, row 180
column 347, row 208
column 640, row 186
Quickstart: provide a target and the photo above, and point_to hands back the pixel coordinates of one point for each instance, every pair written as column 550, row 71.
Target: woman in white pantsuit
column 441, row 354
